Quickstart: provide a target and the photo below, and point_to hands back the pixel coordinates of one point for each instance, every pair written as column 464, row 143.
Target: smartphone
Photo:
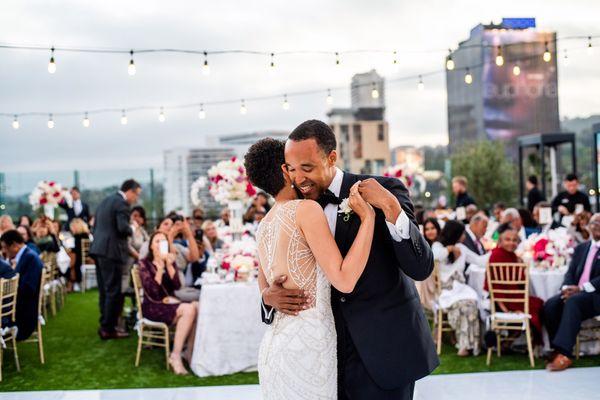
column 578, row 208
column 163, row 247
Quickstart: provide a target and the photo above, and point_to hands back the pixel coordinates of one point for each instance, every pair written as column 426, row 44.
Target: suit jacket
column 383, row 314
column 84, row 215
column 112, row 229
column 576, row 269
column 6, row 271
column 29, row 269
column 471, row 245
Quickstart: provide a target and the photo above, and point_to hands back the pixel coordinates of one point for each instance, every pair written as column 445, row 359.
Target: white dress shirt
column 77, row 207
column 400, row 230
column 474, row 239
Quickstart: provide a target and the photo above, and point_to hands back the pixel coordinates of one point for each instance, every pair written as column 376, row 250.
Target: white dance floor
column 576, row 383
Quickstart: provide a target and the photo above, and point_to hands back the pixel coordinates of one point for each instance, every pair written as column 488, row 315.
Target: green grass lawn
column 77, row 359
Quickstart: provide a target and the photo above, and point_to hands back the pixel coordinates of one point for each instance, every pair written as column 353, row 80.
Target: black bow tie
column 328, row 198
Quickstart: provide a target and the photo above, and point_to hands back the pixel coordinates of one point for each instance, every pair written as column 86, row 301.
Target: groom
column 384, row 340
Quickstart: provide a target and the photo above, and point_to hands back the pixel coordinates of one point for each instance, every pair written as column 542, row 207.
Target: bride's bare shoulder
column 308, row 210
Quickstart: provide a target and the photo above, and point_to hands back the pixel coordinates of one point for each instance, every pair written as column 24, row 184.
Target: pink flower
column 250, row 191
column 51, row 183
column 43, row 200
column 539, row 249
column 233, row 159
column 399, row 173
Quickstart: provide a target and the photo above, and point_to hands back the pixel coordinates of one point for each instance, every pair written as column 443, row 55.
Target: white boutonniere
column 344, row 208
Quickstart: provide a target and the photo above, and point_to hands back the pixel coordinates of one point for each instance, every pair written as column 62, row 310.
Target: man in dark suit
column 579, row 299
column 78, row 209
column 109, row 249
column 384, row 340
column 29, row 267
column 474, row 232
column 534, row 195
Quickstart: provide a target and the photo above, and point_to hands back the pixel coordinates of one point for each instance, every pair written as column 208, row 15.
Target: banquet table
column 229, row 329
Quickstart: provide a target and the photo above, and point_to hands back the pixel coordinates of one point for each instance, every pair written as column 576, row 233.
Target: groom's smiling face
column 310, row 169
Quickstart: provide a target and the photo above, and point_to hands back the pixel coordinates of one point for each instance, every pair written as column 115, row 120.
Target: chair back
column 85, row 252
column 508, row 283
column 8, row 298
column 43, row 279
column 137, row 287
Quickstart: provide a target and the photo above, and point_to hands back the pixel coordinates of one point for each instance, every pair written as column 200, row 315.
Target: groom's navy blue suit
column 384, row 340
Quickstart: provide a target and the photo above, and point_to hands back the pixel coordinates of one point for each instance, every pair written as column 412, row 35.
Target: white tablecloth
column 229, row 329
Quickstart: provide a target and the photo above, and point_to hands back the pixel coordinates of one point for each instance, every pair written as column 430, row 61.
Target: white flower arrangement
column 228, row 182
column 197, row 185
column 49, row 193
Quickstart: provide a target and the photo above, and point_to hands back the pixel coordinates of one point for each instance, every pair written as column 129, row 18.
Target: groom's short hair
column 317, row 130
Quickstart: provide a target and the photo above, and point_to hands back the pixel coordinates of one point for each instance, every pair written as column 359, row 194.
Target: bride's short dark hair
column 263, row 163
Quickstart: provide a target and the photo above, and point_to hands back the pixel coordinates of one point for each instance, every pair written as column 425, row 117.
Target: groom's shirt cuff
column 401, row 229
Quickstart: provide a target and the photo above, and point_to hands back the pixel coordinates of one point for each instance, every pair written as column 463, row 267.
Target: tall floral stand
column 236, row 218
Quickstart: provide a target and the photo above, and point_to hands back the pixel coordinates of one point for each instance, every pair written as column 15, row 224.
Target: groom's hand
column 380, row 197
column 287, row 301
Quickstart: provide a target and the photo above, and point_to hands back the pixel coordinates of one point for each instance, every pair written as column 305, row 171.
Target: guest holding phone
column 160, row 279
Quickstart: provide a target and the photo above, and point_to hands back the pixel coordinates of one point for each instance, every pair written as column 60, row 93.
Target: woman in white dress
column 297, row 358
column 458, row 299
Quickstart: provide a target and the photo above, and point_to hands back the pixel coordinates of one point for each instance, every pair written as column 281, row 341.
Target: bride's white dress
column 297, row 357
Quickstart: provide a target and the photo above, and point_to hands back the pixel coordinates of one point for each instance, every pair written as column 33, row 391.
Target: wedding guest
column 505, row 253
column 195, row 269
column 110, row 251
column 459, row 188
column 458, row 299
column 224, row 220
column 29, row 267
column 46, row 236
column 160, row 279
column 80, row 231
column 78, row 209
column 426, row 288
column 474, row 232
column 211, row 233
column 579, row 299
column 512, row 217
column 529, row 223
column 25, row 231
column 578, row 229
column 25, row 220
column 262, row 200
column 470, row 211
column 570, row 200
column 197, row 218
column 135, row 241
column 497, row 211
column 534, row 195
column 6, row 224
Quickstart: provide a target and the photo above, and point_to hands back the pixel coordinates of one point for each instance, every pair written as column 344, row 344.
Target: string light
column 52, row 63
column 272, row 60
column 421, row 85
column 547, row 55
column 15, row 123
column 50, row 122
column 499, row 58
column 86, row 121
column 395, row 61
column 329, row 98
column 123, row 118
column 566, row 57
column 516, row 70
column 206, row 67
column 202, row 113
column 468, row 77
column 449, row 61
column 590, row 49
column 337, row 58
column 285, row 105
column 374, row 91
column 243, row 109
column 131, row 68
column 161, row 116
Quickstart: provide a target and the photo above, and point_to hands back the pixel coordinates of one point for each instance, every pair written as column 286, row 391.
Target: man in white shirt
column 79, row 209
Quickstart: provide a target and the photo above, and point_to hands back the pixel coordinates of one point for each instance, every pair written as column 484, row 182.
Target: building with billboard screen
column 505, row 101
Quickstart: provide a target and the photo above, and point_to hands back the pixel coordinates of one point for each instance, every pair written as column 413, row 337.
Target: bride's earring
column 292, row 185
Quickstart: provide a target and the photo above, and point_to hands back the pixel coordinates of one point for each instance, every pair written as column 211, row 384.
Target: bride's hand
column 358, row 204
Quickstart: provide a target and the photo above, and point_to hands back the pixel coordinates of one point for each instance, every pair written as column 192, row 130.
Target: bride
column 297, row 358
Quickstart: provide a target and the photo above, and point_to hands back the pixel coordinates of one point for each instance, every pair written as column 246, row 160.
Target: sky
column 89, row 81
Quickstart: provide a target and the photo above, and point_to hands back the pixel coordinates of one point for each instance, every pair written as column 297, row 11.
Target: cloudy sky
column 89, row 81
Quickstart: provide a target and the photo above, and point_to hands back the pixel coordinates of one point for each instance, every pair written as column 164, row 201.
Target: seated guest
column 474, row 232
column 135, row 243
column 505, row 253
column 579, row 299
column 511, row 217
column 458, row 299
column 534, row 195
column 497, row 211
column 529, row 223
column 568, row 201
column 29, row 267
column 211, row 233
column 195, row 269
column 470, row 211
column 160, row 279
column 80, row 231
column 6, row 224
column 197, row 218
column 25, row 231
column 578, row 229
column 45, row 236
column 426, row 288
column 224, row 220
column 25, row 220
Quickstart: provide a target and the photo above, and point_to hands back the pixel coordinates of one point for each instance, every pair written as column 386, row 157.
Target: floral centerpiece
column 229, row 182
column 549, row 250
column 412, row 179
column 47, row 195
column 241, row 258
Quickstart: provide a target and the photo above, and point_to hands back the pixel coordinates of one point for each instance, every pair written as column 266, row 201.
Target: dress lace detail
column 297, row 358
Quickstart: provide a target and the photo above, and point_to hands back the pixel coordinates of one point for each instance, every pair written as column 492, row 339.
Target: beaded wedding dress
column 297, row 357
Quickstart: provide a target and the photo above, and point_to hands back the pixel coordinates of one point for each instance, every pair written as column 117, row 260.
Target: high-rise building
column 182, row 167
column 361, row 131
column 503, row 85
column 241, row 142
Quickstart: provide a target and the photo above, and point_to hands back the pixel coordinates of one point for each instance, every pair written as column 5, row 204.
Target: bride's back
column 283, row 250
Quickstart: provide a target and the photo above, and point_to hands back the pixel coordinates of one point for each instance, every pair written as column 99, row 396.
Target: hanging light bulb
column 131, row 67
column 329, row 98
column 161, row 116
column 547, row 55
column 499, row 57
column 590, row 49
column 421, row 85
column 50, row 122
column 206, row 67
column 202, row 113
column 285, row 105
column 15, row 123
column 243, row 109
column 272, row 60
column 374, row 91
column 449, row 61
column 337, row 58
column 468, row 77
column 123, row 118
column 86, row 121
column 52, row 64
column 516, row 70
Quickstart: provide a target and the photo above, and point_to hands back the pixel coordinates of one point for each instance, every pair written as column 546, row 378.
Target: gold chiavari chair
column 149, row 332
column 88, row 266
column 590, row 332
column 8, row 311
column 509, row 283
column 441, row 323
column 37, row 334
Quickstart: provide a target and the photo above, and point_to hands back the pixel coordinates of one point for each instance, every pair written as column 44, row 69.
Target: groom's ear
column 332, row 158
